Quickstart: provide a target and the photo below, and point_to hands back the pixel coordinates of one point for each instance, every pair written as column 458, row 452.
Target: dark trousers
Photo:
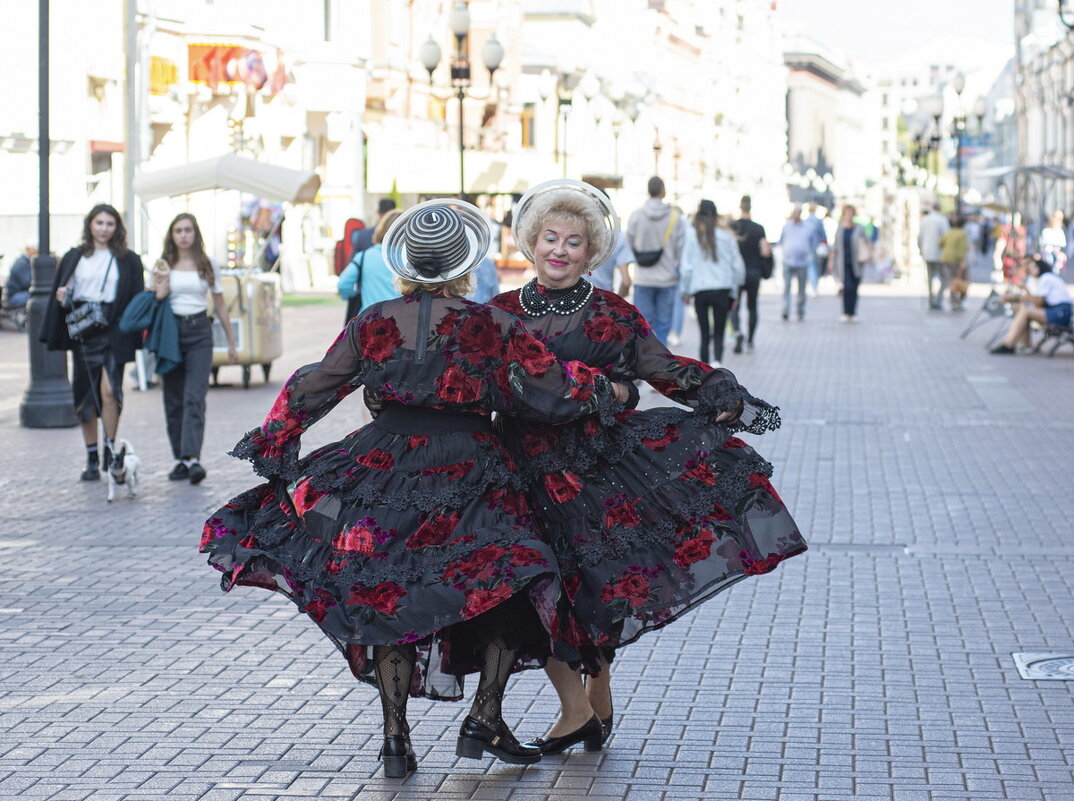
column 712, row 306
column 850, row 291
column 186, row 385
column 749, row 291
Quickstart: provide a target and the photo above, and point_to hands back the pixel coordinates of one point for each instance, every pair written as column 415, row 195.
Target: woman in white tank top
column 185, row 276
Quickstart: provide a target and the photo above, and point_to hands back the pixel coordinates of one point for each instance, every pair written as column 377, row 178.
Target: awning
column 230, row 172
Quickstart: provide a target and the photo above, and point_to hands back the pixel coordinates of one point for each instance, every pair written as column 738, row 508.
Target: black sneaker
column 91, row 473
column 1002, row 350
column 179, row 473
column 738, row 344
column 197, row 473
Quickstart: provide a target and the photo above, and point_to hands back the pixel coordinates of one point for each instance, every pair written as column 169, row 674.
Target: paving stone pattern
column 932, row 480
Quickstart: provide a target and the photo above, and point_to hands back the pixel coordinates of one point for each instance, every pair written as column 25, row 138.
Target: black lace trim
column 251, row 448
column 757, row 416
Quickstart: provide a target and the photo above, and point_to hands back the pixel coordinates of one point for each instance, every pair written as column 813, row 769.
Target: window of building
column 529, row 125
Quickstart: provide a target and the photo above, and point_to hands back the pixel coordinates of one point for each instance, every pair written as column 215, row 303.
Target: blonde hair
column 385, row 223
column 455, row 288
column 571, row 206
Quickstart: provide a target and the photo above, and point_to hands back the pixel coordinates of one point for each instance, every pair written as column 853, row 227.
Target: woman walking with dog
column 408, row 542
column 185, row 276
column 93, row 285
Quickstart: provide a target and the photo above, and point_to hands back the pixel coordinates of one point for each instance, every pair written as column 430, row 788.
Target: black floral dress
column 414, row 528
column 661, row 511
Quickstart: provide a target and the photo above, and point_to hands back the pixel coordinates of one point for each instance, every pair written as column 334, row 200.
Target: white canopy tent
column 230, row 172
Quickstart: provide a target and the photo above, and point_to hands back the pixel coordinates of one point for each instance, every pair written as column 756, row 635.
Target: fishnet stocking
column 393, row 666
column 495, row 671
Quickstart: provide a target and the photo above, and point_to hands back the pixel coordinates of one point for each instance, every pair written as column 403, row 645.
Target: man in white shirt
column 933, row 226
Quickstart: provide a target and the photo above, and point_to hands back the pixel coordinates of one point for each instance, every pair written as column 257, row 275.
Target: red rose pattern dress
column 661, row 511
column 414, row 528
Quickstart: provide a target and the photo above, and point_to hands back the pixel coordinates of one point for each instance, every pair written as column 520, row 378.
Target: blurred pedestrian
column 19, row 279
column 362, row 239
column 798, row 241
column 710, row 274
column 656, row 234
column 820, row 258
column 954, row 251
column 486, row 281
column 1053, row 242
column 603, row 275
column 850, row 252
column 1052, row 305
column 92, row 287
column 757, row 256
column 367, row 279
column 185, row 276
column 931, row 228
column 406, row 542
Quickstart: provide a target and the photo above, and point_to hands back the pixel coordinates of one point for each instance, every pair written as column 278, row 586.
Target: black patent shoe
column 91, row 473
column 398, row 756
column 606, row 727
column 475, row 739
column 591, row 733
column 179, row 473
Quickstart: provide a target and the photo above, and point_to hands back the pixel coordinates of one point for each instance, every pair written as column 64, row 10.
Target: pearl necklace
column 537, row 305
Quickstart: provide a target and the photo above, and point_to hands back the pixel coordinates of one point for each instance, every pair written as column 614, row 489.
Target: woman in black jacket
column 100, row 269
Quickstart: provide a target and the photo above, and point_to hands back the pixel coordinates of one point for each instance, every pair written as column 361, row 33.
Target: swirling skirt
column 648, row 519
column 409, row 530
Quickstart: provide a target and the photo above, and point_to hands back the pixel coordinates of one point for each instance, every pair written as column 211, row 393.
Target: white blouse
column 188, row 292
column 90, row 276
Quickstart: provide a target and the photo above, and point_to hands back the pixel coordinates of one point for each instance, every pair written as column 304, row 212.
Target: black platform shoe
column 591, row 733
column 475, row 739
column 606, row 727
column 398, row 756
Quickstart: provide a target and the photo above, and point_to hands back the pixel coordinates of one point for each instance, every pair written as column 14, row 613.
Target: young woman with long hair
column 99, row 270
column 185, row 275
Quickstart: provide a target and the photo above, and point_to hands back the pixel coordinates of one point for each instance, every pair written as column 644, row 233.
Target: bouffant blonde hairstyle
column 572, row 207
column 455, row 288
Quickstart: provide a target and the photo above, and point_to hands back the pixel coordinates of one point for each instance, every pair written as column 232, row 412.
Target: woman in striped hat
column 407, row 542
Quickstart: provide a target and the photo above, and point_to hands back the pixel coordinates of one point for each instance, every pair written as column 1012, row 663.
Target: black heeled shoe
column 591, row 733
column 606, row 726
column 475, row 739
column 398, row 756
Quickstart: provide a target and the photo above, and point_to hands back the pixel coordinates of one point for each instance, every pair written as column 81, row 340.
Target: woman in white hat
column 406, row 541
column 653, row 515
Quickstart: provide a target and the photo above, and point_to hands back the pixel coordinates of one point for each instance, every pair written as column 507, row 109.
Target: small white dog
column 123, row 470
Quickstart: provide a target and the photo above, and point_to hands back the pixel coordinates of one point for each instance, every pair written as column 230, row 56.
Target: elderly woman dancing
column 649, row 517
column 407, row 542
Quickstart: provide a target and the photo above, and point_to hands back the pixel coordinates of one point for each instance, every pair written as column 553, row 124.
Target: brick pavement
column 932, row 480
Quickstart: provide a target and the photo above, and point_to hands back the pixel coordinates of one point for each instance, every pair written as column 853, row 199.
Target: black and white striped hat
column 436, row 241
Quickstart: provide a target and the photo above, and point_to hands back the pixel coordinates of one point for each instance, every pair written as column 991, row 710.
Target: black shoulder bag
column 354, row 305
column 90, row 318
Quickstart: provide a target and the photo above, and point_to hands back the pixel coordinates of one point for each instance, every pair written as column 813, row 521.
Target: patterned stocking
column 394, row 665
column 494, row 674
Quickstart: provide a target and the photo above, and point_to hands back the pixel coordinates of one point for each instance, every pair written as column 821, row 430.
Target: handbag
column 90, row 318
column 767, row 264
column 647, row 258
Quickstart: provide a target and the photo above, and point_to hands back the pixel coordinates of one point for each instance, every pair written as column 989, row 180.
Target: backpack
column 344, row 249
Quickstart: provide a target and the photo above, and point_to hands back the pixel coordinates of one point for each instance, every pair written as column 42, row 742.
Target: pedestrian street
column 932, row 481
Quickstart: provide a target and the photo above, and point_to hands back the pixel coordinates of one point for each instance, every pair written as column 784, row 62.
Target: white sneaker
column 673, row 340
column 845, row 318
column 715, row 364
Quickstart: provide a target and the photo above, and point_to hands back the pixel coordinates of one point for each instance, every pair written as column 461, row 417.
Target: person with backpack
column 656, row 234
column 367, row 279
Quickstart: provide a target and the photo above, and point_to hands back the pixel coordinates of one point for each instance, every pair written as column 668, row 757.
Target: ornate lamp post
column 657, row 147
column 1064, row 9
column 491, row 54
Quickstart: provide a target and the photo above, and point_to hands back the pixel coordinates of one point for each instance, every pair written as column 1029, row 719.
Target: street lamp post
column 491, row 54
column 47, row 401
column 657, row 147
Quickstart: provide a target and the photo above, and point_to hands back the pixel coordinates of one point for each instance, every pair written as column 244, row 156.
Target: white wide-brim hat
column 598, row 199
column 437, row 241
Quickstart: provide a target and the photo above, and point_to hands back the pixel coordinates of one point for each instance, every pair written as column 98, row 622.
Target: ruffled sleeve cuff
column 268, row 459
column 756, row 417
column 607, row 406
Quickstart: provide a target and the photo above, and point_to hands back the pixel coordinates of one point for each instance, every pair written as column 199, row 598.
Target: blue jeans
column 678, row 316
column 789, row 274
column 657, row 306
